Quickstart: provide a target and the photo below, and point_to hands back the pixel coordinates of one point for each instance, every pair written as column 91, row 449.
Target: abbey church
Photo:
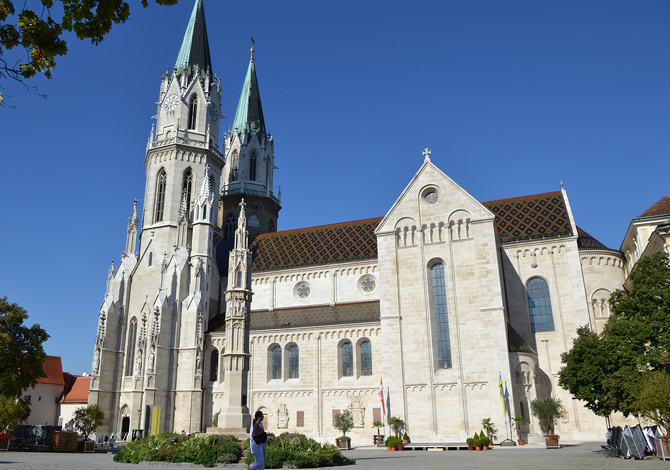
column 213, row 314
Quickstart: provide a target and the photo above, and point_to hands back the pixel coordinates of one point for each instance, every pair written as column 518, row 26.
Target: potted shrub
column 485, row 442
column 392, row 443
column 490, row 428
column 343, row 423
column 471, row 443
column 520, row 421
column 476, row 442
column 663, row 446
column 547, row 410
column 405, row 438
column 378, row 438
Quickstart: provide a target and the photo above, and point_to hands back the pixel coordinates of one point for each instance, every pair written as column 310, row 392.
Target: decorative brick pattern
column 320, row 315
column 586, row 241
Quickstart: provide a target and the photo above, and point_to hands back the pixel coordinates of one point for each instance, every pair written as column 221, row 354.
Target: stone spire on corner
column 194, row 55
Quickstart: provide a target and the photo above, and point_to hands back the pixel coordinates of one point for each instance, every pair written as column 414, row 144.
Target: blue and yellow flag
column 502, row 393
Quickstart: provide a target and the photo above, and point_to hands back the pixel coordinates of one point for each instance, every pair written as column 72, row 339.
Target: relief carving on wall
column 282, row 416
column 357, row 412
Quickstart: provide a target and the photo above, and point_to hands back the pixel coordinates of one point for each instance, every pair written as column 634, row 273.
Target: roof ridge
column 268, row 234
column 516, row 198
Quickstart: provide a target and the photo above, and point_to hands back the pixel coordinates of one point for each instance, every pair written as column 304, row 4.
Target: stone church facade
column 215, row 314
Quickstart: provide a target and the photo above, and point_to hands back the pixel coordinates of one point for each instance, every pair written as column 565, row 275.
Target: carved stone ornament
column 357, row 412
column 151, row 362
column 282, row 416
column 199, row 331
column 96, row 362
column 155, row 328
column 138, row 364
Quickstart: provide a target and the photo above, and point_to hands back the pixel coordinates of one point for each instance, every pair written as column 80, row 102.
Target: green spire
column 195, row 46
column 249, row 115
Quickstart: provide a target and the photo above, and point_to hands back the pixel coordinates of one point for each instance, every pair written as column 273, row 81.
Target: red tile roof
column 76, row 389
column 53, row 371
column 660, row 207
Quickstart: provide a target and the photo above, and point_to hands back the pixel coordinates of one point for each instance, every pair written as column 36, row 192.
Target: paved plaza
column 575, row 456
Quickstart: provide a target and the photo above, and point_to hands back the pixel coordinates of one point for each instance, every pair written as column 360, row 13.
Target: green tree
column 653, row 401
column 13, row 411
column 609, row 371
column 490, row 428
column 87, row 419
column 37, row 32
column 21, row 351
column 397, row 424
column 547, row 410
column 344, row 422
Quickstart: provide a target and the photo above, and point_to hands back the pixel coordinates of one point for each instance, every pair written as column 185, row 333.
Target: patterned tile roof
column 319, row 315
column 660, row 207
column 587, row 242
column 336, row 243
column 516, row 342
column 531, row 217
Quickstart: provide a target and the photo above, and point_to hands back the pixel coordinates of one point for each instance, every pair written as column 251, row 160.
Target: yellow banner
column 156, row 421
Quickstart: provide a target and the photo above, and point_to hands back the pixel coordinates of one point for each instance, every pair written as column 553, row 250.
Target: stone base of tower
column 234, row 422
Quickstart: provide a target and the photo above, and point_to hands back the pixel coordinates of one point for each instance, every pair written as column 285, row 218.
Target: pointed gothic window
column 347, row 359
column 276, row 362
column 252, row 167
column 366, row 358
column 231, row 226
column 293, row 362
column 214, row 366
column 130, row 349
column 160, row 195
column 192, row 112
column 186, row 188
column 441, row 315
column 539, row 305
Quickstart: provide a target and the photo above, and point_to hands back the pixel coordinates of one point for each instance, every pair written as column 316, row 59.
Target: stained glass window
column 539, row 305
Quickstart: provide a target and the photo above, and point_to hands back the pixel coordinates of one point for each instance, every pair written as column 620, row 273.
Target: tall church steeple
column 194, row 55
column 249, row 119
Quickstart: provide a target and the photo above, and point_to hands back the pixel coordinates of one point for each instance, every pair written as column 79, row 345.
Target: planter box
column 343, row 444
column 4, row 444
column 663, row 449
column 551, row 443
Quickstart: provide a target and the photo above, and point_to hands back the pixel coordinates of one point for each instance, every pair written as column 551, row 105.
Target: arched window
column 186, row 188
column 161, row 182
column 130, row 349
column 539, row 305
column 271, row 226
column 252, row 167
column 231, row 226
column 366, row 358
column 347, row 360
column 214, row 366
column 293, row 362
column 192, row 112
column 276, row 362
column 441, row 315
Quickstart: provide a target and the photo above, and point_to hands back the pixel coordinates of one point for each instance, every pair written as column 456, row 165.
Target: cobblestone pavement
column 576, row 456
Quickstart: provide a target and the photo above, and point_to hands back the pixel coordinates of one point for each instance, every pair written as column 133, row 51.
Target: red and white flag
column 381, row 397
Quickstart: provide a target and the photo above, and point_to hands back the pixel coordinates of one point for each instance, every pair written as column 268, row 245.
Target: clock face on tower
column 213, row 112
column 171, row 103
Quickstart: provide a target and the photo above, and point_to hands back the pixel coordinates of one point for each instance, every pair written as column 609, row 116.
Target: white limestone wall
column 603, row 274
column 320, row 388
column 327, row 284
column 43, row 404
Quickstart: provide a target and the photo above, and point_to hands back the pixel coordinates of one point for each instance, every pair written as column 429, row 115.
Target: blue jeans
column 259, row 455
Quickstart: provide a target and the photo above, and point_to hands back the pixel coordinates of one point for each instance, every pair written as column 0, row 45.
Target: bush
column 392, row 441
column 547, row 410
column 296, row 450
column 485, row 441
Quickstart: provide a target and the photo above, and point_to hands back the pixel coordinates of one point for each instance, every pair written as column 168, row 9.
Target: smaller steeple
column 249, row 115
column 205, row 201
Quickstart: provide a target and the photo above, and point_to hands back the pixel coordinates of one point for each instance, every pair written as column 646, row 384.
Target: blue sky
column 511, row 97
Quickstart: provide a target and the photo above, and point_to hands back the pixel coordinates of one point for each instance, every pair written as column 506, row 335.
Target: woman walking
column 257, row 438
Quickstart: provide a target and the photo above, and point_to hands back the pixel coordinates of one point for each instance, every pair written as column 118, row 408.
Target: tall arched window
column 187, row 187
column 539, row 305
column 214, row 366
column 347, row 360
column 192, row 112
column 293, row 362
column 441, row 313
column 130, row 349
column 231, row 226
column 161, row 183
column 276, row 362
column 366, row 358
column 252, row 167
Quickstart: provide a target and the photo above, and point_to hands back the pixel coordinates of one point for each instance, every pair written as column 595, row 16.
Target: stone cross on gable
column 426, row 154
